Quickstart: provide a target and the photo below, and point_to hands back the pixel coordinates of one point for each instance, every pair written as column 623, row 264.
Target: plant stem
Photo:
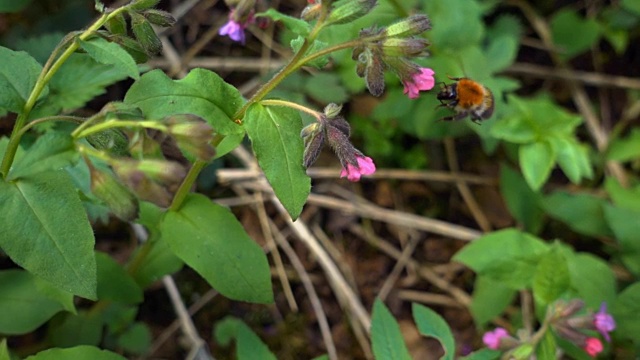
column 273, row 102
column 43, row 79
column 73, row 119
column 116, row 124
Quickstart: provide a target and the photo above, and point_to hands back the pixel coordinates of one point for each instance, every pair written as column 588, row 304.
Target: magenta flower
column 365, row 167
column 492, row 338
column 604, row 322
column 234, row 30
column 593, row 346
column 420, row 81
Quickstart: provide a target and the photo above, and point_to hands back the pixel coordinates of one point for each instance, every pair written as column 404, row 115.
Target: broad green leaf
column 581, row 212
column 523, row 203
column 326, row 88
column 626, row 312
column 275, row 138
column 109, row 53
column 209, row 239
column 46, row 231
column 551, row 278
column 40, row 46
column 23, row 307
column 136, row 339
column 79, row 80
column 433, row 325
column 628, row 198
column 10, row 6
column 229, row 143
column 592, row 278
column 297, row 26
column 483, row 354
column 450, row 14
column 248, row 344
column 624, row 224
column 73, row 330
column 201, row 92
column 52, row 151
column 118, row 317
column 631, row 5
column 537, row 160
column 160, row 261
column 546, row 350
column 386, row 338
column 573, row 158
column 83, row 352
column 114, row 283
column 503, row 50
column 18, row 75
column 483, row 253
column 572, row 33
column 62, row 297
column 625, row 149
column 490, row 299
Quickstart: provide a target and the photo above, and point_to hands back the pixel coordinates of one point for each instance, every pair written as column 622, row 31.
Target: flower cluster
column 563, row 319
column 391, row 48
column 335, row 130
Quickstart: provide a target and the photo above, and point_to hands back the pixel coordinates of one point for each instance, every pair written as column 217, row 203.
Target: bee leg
column 476, row 119
column 459, row 116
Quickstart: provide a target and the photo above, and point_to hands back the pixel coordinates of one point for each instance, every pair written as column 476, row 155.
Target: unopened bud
column 132, row 47
column 118, row 198
column 350, row 10
column 159, row 17
column 313, row 136
column 192, row 134
column 145, row 34
column 410, row 26
column 332, row 110
column 564, row 309
column 117, row 25
column 411, row 47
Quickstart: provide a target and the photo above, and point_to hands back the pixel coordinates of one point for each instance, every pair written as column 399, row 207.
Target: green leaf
column 483, row 354
column 83, row 352
column 209, row 239
column 572, row 33
column 551, row 278
column 18, row 75
column 509, row 244
column 546, row 350
column 523, row 203
column 450, row 14
column 248, row 344
column 109, row 53
column 23, row 306
column 297, row 26
column 386, row 338
column 490, row 299
column 592, row 278
column 625, row 149
column 136, row 339
column 79, row 80
column 62, row 297
column 52, row 151
column 433, row 325
column 202, row 93
column 160, row 261
column 73, row 330
column 626, row 312
column 326, row 88
column 573, row 158
column 4, row 350
column 46, row 231
column 537, row 160
column 624, row 224
column 503, row 50
column 317, row 45
column 631, row 5
column 229, row 143
column 114, row 283
column 11, row 6
column 628, row 198
column 275, row 138
column 581, row 212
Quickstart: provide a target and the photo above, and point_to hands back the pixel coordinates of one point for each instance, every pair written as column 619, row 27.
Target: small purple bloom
column 234, row 30
column 420, row 81
column 365, row 167
column 492, row 338
column 604, row 322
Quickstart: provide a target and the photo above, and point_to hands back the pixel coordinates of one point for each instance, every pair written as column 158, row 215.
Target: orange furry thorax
column 470, row 93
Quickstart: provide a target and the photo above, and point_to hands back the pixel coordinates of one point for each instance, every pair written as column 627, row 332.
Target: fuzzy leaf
column 109, row 53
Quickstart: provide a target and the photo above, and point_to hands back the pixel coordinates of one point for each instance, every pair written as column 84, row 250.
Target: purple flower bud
column 405, row 47
column 313, row 136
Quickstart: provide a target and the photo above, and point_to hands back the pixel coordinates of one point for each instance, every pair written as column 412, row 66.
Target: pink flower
column 593, row 346
column 234, row 30
column 420, row 81
column 492, row 338
column 604, row 322
column 365, row 167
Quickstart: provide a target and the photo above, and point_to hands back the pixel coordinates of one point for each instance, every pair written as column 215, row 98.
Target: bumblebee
column 466, row 98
